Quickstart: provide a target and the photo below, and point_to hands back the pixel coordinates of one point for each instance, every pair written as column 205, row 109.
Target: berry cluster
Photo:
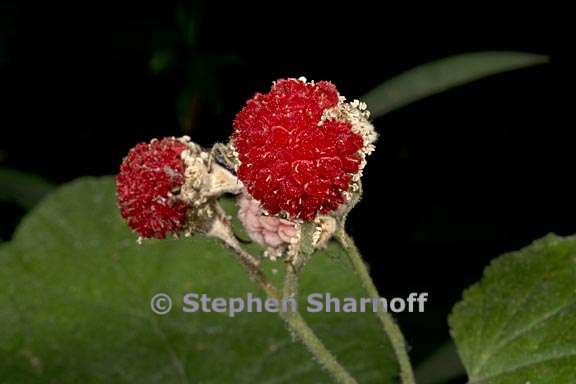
column 299, row 151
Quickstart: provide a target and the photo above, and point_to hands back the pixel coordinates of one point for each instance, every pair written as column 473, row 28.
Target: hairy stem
column 388, row 324
column 290, row 290
column 294, row 320
column 307, row 336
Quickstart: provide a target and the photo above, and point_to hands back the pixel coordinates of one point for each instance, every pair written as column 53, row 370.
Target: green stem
column 290, row 290
column 307, row 336
column 294, row 320
column 390, row 327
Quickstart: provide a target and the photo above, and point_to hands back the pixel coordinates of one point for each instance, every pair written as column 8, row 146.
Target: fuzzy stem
column 290, row 290
column 294, row 320
column 388, row 324
column 307, row 336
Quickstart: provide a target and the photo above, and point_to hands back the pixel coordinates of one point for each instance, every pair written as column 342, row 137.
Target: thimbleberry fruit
column 300, row 148
column 150, row 177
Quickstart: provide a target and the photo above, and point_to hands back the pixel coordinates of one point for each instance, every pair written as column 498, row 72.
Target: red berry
column 149, row 176
column 291, row 159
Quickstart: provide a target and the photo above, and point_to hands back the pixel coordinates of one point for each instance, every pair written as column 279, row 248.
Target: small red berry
column 149, row 177
column 299, row 147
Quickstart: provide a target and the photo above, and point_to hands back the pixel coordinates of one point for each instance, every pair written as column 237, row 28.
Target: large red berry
column 149, row 175
column 293, row 158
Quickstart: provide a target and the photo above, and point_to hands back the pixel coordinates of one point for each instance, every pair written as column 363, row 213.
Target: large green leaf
column 74, row 306
column 518, row 324
column 441, row 75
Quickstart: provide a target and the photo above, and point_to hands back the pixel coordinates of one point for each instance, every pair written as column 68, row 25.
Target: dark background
column 456, row 179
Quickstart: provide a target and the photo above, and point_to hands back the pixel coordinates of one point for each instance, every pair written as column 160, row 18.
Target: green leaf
column 75, row 306
column 518, row 324
column 441, row 75
column 22, row 188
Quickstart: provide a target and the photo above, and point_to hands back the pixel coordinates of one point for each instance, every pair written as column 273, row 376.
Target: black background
column 456, row 179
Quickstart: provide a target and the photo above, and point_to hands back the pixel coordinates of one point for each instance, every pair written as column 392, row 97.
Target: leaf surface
column 74, row 306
